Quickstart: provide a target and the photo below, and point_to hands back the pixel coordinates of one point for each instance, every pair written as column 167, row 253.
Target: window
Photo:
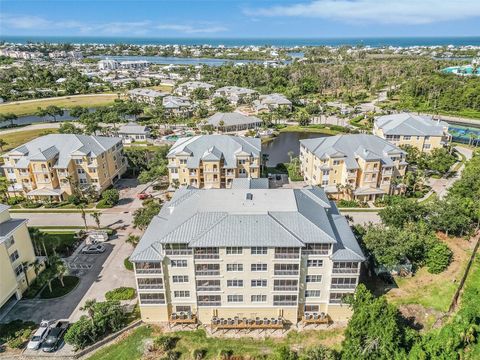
column 19, row 270
column 258, row 250
column 241, row 162
column 208, row 285
column 314, row 263
column 234, row 267
column 234, row 250
column 242, row 171
column 180, row 278
column 337, row 162
column 426, row 146
column 181, row 294
column 285, row 300
column 150, row 283
column 234, row 283
column 337, row 298
column 183, row 162
column 407, row 137
column 312, row 293
column 14, row 256
column 313, row 278
column 258, row 298
column 259, row 283
column 82, row 181
column 235, row 298
column 285, row 285
column 80, row 171
column 344, row 283
column 286, row 269
column 259, row 267
column 179, row 263
column 209, row 300
column 324, row 182
column 312, row 308
column 78, row 161
column 10, row 241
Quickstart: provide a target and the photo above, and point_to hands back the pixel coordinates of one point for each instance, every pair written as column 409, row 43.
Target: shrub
column 32, row 205
column 14, row 200
column 74, row 199
column 128, row 264
column 111, row 197
column 16, row 333
column 103, row 205
column 348, row 203
column 19, row 339
column 165, row 342
column 438, row 258
column 198, row 354
column 121, row 293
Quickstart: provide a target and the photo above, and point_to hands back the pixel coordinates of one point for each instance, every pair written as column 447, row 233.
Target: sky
column 240, row 18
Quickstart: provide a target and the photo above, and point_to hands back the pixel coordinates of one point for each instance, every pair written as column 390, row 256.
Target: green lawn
column 130, row 348
column 20, row 137
column 70, row 283
column 62, row 242
column 29, row 107
column 310, row 129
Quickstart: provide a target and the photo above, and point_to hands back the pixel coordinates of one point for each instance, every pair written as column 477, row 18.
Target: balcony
column 207, row 272
column 316, row 252
column 207, row 256
column 345, row 270
column 284, row 303
column 148, row 271
column 343, row 286
column 286, row 256
column 285, row 288
column 209, row 288
column 150, row 286
column 180, row 252
column 209, row 303
column 152, row 301
column 286, row 272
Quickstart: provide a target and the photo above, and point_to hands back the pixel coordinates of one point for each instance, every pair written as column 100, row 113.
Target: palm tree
column 89, row 307
column 2, row 144
column 61, row 271
column 133, row 240
column 81, row 206
column 96, row 217
column 25, row 266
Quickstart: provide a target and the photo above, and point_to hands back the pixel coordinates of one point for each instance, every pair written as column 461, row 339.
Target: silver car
column 93, row 249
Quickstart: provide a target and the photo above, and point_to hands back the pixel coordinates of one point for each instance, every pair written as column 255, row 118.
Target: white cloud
column 408, row 12
column 27, row 22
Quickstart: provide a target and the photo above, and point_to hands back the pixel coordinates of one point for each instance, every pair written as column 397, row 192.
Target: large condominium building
column 213, row 161
column 421, row 132
column 352, row 166
column 236, row 95
column 247, row 254
column 48, row 167
column 16, row 258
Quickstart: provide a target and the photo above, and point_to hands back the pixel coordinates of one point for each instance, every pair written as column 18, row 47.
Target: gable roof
column 351, row 147
column 410, row 124
column 61, row 147
column 226, row 217
column 232, row 119
column 215, row 147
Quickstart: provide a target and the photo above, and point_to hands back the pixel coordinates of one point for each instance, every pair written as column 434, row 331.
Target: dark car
column 54, row 337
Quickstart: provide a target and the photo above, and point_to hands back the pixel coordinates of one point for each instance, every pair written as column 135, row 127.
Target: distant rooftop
column 410, row 124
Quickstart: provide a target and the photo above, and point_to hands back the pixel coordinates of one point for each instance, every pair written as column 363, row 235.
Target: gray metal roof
column 232, row 119
column 410, row 124
column 249, row 183
column 351, row 147
column 226, row 217
column 214, row 147
column 133, row 128
column 3, row 208
column 8, row 227
column 61, row 147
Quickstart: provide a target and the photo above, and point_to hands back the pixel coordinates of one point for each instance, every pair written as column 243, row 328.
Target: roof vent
column 249, row 196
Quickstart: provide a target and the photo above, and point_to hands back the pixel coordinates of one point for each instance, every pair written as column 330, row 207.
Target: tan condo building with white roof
column 361, row 167
column 213, row 161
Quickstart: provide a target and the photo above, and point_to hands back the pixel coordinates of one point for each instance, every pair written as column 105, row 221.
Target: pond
column 173, row 60
column 32, row 119
column 279, row 147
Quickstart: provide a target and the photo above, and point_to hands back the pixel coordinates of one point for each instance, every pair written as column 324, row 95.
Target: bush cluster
column 121, row 293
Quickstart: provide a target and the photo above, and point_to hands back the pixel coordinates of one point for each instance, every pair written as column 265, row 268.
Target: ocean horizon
column 232, row 42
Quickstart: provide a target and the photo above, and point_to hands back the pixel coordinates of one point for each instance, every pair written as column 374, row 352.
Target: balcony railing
column 286, row 256
column 335, row 301
column 207, row 256
column 209, row 303
column 343, row 286
column 209, row 288
column 207, row 272
column 178, row 252
column 150, row 286
column 285, row 288
column 316, row 252
column 284, row 303
column 344, row 270
column 286, row 272
column 152, row 301
column 148, row 271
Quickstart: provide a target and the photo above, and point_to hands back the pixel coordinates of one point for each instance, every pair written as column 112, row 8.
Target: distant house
column 136, row 64
column 234, row 121
column 421, row 132
column 236, row 95
column 187, row 88
column 270, row 102
column 108, row 64
column 148, row 96
column 133, row 132
column 177, row 106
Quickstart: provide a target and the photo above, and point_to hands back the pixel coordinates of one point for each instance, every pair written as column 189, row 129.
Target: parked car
column 54, row 337
column 39, row 335
column 93, row 249
column 144, row 196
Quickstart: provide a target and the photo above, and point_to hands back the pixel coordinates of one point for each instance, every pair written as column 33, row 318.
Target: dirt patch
column 419, row 317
